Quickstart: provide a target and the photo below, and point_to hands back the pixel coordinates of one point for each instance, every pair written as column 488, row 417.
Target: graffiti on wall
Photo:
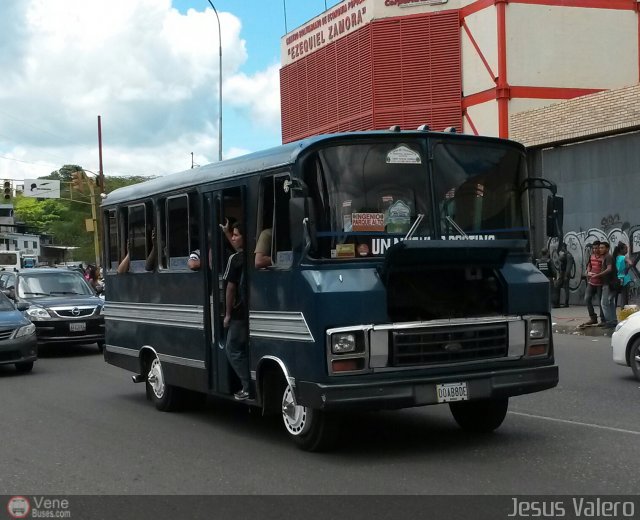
column 579, row 245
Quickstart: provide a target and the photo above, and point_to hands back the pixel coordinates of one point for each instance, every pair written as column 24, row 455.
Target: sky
column 149, row 68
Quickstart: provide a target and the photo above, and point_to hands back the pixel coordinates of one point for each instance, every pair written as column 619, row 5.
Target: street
column 79, row 426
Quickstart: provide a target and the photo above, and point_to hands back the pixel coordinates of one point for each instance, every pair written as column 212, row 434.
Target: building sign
column 342, row 19
column 413, row 3
column 41, row 188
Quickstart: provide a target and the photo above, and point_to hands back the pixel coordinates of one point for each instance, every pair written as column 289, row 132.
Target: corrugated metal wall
column 401, row 71
column 600, row 183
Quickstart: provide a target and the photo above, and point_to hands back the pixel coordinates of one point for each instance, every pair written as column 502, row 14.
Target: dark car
column 63, row 306
column 18, row 345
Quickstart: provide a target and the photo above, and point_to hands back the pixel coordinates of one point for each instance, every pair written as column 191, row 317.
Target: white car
column 625, row 342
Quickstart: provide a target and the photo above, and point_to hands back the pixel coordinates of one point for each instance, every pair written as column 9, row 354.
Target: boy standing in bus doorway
column 235, row 318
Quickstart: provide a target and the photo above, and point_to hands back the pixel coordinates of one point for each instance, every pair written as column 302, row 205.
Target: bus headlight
column 538, row 329
column 343, row 342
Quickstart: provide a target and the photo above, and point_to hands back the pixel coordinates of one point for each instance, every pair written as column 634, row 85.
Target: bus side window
column 111, row 233
column 177, row 231
column 273, row 244
column 281, row 241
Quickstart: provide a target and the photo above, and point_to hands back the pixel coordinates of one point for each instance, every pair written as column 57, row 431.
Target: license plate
column 452, row 392
column 80, row 326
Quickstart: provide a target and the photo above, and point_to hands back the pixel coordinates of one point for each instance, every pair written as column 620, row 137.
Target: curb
column 574, row 330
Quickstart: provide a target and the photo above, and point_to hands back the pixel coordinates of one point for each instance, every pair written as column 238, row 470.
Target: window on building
column 35, row 244
column 26, row 244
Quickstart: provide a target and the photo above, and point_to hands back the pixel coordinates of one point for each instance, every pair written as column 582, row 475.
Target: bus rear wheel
column 481, row 416
column 165, row 397
column 309, row 428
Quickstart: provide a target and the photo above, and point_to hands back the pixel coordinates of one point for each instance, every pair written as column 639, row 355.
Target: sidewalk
column 566, row 321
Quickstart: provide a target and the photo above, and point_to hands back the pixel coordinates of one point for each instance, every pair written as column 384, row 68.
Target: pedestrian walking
column 623, row 265
column 565, row 270
column 594, row 285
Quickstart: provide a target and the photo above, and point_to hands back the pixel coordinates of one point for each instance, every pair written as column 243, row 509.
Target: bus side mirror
column 303, row 230
column 555, row 215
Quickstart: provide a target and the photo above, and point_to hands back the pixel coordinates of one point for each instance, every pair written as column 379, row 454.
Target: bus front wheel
column 309, row 428
column 165, row 397
column 481, row 416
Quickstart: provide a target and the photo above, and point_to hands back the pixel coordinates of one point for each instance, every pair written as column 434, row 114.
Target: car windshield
column 38, row 285
column 5, row 303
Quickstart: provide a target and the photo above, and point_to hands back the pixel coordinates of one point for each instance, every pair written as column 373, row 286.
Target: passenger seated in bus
column 263, row 249
column 152, row 259
column 123, row 266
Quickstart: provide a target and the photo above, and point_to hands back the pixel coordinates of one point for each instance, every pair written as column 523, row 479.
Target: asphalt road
column 79, row 426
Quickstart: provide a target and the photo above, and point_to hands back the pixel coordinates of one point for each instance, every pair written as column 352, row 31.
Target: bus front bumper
column 406, row 393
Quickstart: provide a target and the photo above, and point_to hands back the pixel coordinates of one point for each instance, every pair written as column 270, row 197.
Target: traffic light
column 7, row 190
column 77, row 181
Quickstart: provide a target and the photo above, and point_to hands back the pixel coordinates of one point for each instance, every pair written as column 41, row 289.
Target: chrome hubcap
column 294, row 416
column 155, row 378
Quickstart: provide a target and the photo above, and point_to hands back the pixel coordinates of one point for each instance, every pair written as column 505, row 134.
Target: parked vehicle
column 63, row 306
column 625, row 343
column 18, row 345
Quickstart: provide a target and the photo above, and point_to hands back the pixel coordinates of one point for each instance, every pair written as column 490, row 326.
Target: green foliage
column 64, row 218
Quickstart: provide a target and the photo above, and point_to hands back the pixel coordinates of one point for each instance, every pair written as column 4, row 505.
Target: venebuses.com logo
column 18, row 507
column 38, row 507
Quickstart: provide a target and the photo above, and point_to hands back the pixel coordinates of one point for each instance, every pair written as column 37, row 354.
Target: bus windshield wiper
column 415, row 226
column 63, row 292
column 456, row 226
column 37, row 293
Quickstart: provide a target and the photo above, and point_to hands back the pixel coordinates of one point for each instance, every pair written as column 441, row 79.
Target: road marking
column 576, row 423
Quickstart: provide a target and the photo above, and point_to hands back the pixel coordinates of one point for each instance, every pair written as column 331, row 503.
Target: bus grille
column 441, row 345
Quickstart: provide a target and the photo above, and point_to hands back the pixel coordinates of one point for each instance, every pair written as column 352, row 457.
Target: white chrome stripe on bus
column 176, row 360
column 166, row 358
column 121, row 350
column 185, row 316
column 279, row 325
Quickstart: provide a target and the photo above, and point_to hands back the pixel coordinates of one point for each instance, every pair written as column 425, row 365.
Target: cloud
column 150, row 71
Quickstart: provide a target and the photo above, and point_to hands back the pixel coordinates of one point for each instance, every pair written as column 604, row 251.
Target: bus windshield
column 366, row 196
column 370, row 196
column 477, row 190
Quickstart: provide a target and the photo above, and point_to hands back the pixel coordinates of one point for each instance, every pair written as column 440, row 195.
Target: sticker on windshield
column 367, row 221
column 345, row 250
column 403, row 155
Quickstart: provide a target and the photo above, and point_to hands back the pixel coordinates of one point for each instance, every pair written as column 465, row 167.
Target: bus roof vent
column 394, row 128
column 424, row 128
column 450, row 129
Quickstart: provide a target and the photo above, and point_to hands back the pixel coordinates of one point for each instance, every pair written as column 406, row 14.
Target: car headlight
column 38, row 313
column 25, row 331
column 538, row 329
column 343, row 342
column 620, row 325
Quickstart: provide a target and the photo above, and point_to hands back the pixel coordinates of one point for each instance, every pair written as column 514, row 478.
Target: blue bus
column 400, row 276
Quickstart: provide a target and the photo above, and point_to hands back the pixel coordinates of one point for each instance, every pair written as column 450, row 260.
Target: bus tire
column 165, row 397
column 310, row 429
column 482, row 416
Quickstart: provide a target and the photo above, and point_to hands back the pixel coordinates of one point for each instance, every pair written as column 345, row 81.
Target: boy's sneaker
column 242, row 395
column 589, row 323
